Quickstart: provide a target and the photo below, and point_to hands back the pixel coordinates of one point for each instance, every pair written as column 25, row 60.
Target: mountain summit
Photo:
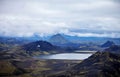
column 39, row 46
column 58, row 39
column 108, row 44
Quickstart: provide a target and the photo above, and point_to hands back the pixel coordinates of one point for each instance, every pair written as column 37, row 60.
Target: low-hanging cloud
column 99, row 18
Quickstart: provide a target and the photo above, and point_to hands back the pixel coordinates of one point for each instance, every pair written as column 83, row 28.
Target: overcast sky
column 99, row 18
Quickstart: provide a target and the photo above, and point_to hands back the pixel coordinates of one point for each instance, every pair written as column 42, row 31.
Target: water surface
column 66, row 56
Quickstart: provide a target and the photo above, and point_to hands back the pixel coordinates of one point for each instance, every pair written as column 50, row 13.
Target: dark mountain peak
column 58, row 39
column 39, row 46
column 108, row 44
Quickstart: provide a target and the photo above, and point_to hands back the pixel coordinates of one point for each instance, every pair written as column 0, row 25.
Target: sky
column 84, row 18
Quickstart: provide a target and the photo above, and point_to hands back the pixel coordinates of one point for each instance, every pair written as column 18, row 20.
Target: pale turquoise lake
column 66, row 56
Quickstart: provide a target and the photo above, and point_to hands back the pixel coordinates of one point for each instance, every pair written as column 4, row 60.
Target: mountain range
column 59, row 38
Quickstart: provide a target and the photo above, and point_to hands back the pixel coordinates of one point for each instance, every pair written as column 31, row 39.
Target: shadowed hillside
column 100, row 64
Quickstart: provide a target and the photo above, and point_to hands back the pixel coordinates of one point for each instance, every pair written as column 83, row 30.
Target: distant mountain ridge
column 62, row 39
column 96, row 40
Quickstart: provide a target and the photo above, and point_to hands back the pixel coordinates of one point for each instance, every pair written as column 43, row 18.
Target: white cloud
column 75, row 17
column 20, row 26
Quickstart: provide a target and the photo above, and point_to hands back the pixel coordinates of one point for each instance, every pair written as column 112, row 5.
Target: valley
column 43, row 59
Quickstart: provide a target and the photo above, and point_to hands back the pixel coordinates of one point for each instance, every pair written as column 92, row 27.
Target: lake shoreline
column 67, row 56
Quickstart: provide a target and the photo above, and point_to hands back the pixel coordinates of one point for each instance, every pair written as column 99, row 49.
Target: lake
column 66, row 56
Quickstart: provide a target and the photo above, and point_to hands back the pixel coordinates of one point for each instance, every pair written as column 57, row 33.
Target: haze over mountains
column 62, row 42
column 61, row 38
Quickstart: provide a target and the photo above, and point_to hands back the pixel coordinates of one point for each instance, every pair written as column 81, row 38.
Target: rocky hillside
column 100, row 64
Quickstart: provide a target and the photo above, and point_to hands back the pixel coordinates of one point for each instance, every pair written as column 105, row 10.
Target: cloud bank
column 97, row 18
